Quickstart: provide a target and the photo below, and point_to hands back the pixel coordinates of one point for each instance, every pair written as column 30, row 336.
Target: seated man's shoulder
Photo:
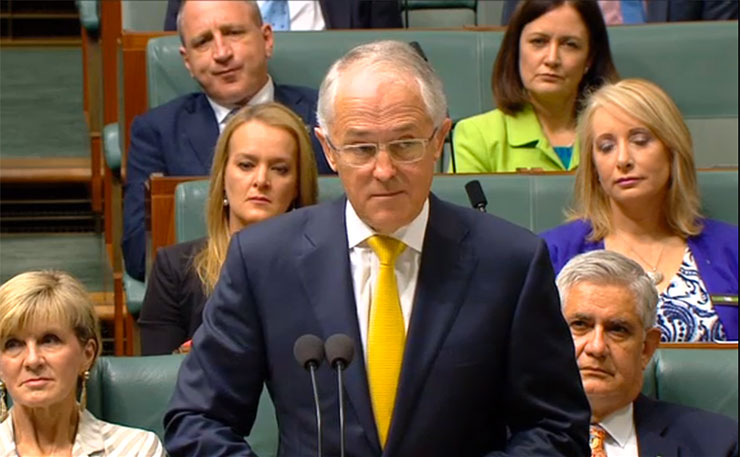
column 167, row 112
column 684, row 421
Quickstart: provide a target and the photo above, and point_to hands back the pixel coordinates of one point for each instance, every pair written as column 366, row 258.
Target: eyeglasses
column 401, row 151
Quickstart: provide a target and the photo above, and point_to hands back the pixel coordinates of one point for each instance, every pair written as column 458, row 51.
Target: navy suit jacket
column 488, row 369
column 668, row 10
column 338, row 14
column 178, row 139
column 670, row 430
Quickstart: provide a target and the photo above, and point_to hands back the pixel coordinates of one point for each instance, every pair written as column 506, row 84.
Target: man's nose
column 384, row 168
column 221, row 48
column 596, row 343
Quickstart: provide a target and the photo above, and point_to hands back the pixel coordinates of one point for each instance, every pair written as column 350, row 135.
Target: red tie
column 597, row 435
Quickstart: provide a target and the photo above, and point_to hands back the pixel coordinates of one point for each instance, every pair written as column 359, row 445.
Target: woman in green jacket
column 552, row 54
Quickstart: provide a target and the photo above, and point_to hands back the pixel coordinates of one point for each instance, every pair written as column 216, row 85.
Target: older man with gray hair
column 460, row 346
column 609, row 303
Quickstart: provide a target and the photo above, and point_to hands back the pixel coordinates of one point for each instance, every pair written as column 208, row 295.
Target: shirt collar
column 412, row 235
column 523, row 129
column 620, row 425
column 264, row 95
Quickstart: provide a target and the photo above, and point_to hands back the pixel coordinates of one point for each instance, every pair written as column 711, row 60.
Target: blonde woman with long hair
column 636, row 193
column 263, row 166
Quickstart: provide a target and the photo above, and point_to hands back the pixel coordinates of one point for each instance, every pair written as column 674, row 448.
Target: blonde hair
column 651, row 106
column 208, row 261
column 48, row 296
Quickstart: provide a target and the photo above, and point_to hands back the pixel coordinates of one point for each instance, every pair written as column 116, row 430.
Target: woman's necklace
column 654, row 275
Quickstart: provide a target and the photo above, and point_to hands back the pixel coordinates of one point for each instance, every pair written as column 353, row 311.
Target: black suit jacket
column 178, row 139
column 668, row 10
column 174, row 299
column 338, row 14
column 669, row 430
column 488, row 368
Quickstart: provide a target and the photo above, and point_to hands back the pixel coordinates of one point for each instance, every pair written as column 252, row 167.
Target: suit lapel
column 650, row 427
column 445, row 256
column 201, row 130
column 332, row 298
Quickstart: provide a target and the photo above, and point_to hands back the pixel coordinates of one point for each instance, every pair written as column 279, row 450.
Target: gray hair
column 395, row 57
column 609, row 267
column 256, row 13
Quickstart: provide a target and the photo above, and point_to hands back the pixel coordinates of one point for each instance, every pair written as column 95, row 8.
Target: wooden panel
column 732, row 345
column 160, row 207
column 110, row 18
column 133, row 57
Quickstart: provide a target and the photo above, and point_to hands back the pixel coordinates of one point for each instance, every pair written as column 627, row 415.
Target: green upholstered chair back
column 703, row 377
column 190, row 210
column 136, row 391
column 537, row 202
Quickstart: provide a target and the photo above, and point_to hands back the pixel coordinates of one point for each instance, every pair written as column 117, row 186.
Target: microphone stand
column 312, row 371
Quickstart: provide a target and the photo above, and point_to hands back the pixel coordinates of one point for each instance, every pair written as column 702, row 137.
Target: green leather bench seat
column 697, row 64
column 135, row 391
column 89, row 12
column 537, row 202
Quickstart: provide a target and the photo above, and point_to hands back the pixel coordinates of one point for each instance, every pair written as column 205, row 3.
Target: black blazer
column 489, row 363
column 338, row 14
column 174, row 299
column 671, row 430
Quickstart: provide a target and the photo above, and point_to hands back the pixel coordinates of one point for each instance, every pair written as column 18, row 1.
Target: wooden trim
column 161, row 210
column 729, row 345
column 110, row 25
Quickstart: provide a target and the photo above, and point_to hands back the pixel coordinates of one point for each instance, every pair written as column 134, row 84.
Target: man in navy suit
column 480, row 362
column 225, row 47
column 336, row 14
column 610, row 304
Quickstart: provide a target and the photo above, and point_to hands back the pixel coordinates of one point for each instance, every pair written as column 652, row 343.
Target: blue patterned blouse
column 685, row 312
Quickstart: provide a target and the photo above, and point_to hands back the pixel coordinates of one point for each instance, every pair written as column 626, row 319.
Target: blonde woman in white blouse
column 49, row 341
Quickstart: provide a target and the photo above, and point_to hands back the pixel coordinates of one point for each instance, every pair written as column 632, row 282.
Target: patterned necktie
column 275, row 13
column 386, row 334
column 597, row 436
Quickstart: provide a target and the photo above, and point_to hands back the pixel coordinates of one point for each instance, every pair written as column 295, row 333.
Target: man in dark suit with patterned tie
column 609, row 303
column 460, row 346
column 225, row 47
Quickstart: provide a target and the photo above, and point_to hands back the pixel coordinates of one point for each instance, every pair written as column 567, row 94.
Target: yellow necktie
column 597, row 436
column 386, row 334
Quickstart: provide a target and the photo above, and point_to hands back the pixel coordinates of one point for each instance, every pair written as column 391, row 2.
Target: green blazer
column 496, row 142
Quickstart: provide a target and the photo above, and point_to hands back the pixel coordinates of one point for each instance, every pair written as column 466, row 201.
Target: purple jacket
column 715, row 250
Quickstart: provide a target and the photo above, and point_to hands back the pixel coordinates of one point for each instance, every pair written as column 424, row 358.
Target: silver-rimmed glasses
column 407, row 150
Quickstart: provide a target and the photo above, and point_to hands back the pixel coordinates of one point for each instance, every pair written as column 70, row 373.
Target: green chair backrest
column 136, row 391
column 537, row 202
column 704, row 378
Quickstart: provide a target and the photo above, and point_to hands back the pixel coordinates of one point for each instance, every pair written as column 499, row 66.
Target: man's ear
column 444, row 130
column 652, row 340
column 186, row 60
column 328, row 152
column 269, row 39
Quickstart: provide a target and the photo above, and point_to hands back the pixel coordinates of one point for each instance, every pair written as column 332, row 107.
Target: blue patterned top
column 685, row 312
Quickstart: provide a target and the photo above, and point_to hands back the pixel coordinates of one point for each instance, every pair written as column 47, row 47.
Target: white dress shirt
column 621, row 436
column 365, row 265
column 264, row 95
column 304, row 15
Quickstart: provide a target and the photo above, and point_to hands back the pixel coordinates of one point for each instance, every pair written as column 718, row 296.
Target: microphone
column 339, row 352
column 417, row 48
column 309, row 352
column 476, row 196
